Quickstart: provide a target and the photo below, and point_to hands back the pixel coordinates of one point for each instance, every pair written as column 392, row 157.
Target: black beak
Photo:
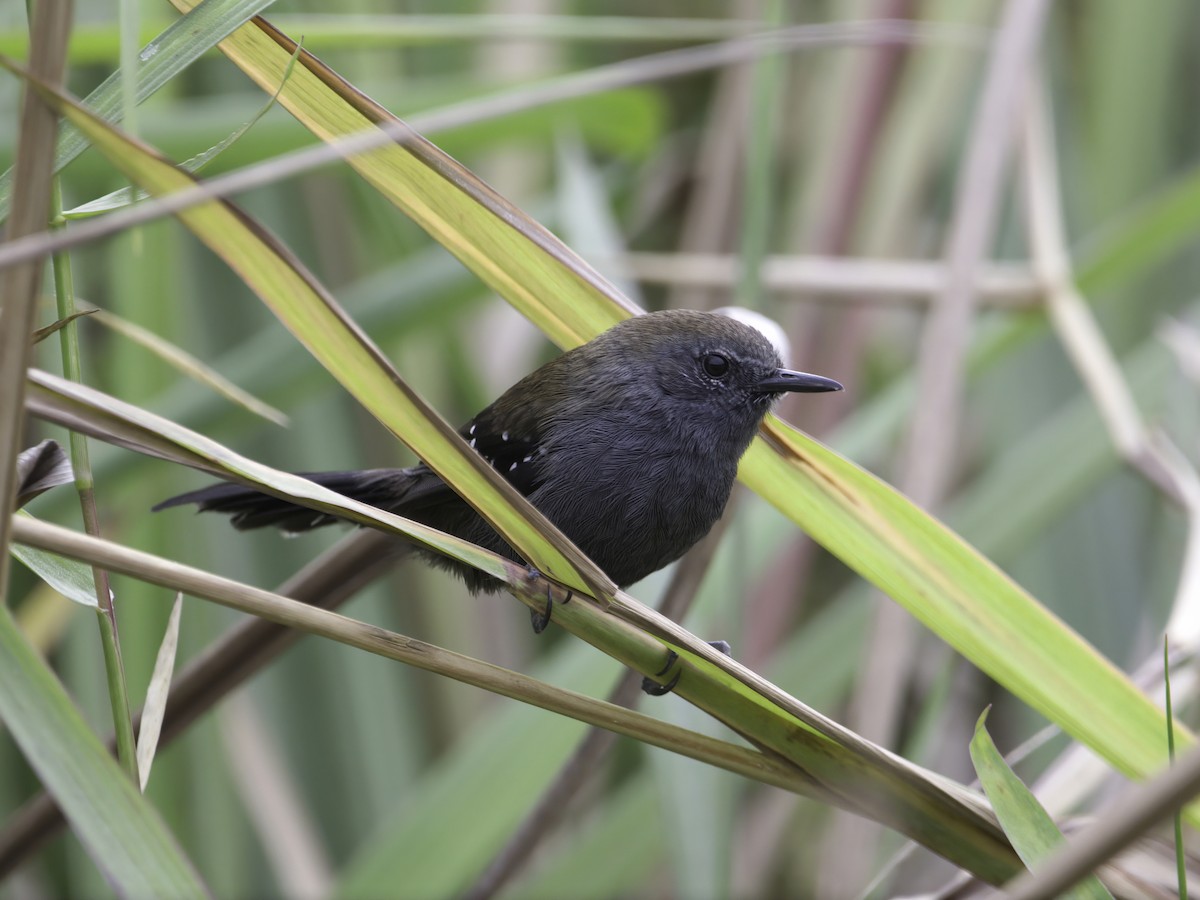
column 801, row 382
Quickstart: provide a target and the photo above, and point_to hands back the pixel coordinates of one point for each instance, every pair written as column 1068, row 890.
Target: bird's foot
column 654, row 689
column 539, row 619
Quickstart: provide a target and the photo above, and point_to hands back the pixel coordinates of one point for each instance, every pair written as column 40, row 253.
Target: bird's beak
column 801, row 382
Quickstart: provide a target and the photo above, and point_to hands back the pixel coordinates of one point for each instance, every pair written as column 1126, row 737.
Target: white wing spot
column 472, row 429
column 504, row 436
column 513, row 466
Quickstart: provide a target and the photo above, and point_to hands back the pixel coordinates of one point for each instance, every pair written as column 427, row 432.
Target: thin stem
column 106, row 618
column 760, row 766
column 50, row 24
column 654, row 67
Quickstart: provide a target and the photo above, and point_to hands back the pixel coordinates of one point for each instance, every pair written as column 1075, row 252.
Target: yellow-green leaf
column 314, row 317
column 939, row 578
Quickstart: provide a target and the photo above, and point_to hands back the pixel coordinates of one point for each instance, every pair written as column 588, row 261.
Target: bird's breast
column 635, row 502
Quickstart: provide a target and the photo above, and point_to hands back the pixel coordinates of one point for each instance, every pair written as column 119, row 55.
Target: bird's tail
column 249, row 508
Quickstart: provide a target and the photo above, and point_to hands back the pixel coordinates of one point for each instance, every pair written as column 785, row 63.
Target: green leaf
column 933, row 573
column 184, row 362
column 119, row 828
column 184, row 41
column 39, row 469
column 1027, row 824
column 1166, row 223
column 42, row 333
column 81, row 408
column 127, row 196
column 517, row 257
column 72, row 579
column 959, row 595
column 312, row 314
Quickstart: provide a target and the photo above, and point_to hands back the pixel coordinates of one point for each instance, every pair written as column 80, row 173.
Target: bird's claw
column 654, row 689
column 539, row 619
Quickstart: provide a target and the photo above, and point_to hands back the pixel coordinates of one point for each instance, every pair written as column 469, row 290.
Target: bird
column 628, row 443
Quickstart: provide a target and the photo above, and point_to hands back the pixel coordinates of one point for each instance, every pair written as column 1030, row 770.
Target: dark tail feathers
column 249, row 508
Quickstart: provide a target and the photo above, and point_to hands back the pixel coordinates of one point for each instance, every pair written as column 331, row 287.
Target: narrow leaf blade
column 1032, row 831
column 120, row 830
column 876, row 531
column 155, row 707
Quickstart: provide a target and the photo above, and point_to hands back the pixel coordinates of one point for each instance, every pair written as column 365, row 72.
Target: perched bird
column 629, row 444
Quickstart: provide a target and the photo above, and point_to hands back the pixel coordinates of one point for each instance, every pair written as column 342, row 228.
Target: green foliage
column 1025, row 821
column 394, row 771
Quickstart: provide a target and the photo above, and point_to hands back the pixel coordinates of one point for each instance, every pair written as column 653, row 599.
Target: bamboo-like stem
column 372, row 639
column 106, row 616
column 830, row 279
column 33, row 172
column 941, row 814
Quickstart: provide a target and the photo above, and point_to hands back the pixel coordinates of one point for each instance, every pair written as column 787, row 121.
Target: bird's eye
column 715, row 365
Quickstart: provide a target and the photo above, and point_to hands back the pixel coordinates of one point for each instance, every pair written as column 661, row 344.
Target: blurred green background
column 357, row 775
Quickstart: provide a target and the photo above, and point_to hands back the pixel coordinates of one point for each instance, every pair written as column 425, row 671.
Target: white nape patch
column 767, row 327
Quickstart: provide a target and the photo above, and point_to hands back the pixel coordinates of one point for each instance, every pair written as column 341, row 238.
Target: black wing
column 515, row 451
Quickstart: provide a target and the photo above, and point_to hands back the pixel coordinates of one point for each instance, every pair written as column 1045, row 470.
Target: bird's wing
column 407, row 492
column 513, row 451
column 513, row 447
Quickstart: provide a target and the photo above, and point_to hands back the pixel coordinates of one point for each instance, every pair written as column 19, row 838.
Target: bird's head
column 706, row 370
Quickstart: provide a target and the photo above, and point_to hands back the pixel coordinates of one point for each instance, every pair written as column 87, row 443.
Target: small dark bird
column 629, row 444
